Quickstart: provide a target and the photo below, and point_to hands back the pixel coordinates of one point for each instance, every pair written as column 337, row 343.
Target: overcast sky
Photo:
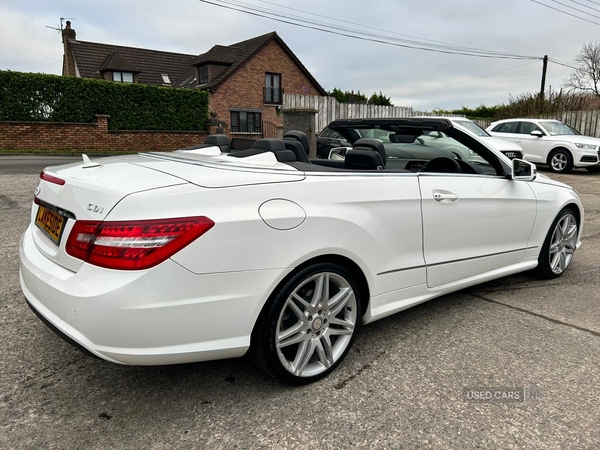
column 416, row 78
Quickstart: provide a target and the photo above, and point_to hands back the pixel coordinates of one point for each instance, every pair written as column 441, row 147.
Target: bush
column 40, row 97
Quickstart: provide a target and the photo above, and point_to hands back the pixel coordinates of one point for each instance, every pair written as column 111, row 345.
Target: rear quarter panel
column 372, row 219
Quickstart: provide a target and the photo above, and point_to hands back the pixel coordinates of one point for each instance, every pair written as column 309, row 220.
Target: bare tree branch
column 586, row 77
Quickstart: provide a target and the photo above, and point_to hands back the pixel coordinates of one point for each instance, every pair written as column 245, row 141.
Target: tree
column 481, row 112
column 346, row 96
column 351, row 97
column 380, row 99
column 586, row 77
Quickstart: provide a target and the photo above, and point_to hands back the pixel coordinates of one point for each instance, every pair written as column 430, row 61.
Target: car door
column 509, row 131
column 534, row 147
column 473, row 224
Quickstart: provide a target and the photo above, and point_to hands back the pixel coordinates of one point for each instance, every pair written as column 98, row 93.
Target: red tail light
column 133, row 245
column 51, row 179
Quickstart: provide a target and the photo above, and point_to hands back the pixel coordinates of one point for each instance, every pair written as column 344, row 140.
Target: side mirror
column 536, row 133
column 523, row 170
column 338, row 154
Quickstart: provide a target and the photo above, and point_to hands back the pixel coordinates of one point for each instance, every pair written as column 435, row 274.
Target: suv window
column 472, row 126
column 528, row 127
column 506, row 127
column 558, row 128
column 327, row 133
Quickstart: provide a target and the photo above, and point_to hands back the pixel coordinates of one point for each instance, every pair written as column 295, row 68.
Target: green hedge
column 40, row 97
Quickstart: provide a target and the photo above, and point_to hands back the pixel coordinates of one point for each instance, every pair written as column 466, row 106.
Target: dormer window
column 203, row 74
column 123, row 77
column 118, row 68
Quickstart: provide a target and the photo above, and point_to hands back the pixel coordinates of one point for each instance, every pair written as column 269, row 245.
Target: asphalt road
column 402, row 385
column 12, row 165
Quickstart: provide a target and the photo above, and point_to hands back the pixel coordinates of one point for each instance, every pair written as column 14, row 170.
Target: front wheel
column 559, row 246
column 561, row 161
column 309, row 325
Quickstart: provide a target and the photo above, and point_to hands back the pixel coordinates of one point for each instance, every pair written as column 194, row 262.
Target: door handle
column 444, row 196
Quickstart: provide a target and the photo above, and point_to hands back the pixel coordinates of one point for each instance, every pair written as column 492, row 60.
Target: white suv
column 440, row 140
column 550, row 142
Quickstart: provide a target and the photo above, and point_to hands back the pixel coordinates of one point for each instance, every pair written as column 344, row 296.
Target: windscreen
column 558, row 128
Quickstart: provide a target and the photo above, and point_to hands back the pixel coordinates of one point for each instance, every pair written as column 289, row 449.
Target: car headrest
column 363, row 159
column 272, row 145
column 296, row 147
column 373, row 145
column 285, row 156
column 217, row 139
column 300, row 137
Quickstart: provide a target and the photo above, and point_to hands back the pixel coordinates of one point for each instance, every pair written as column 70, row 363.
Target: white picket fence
column 329, row 109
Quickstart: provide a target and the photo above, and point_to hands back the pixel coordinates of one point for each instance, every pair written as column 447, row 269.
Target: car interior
column 392, row 148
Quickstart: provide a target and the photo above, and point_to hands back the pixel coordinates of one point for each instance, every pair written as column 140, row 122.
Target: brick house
column 246, row 80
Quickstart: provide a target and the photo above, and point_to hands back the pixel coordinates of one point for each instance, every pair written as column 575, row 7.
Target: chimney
column 68, row 59
column 68, row 32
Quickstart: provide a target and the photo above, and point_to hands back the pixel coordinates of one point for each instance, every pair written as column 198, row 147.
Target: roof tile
column 90, row 57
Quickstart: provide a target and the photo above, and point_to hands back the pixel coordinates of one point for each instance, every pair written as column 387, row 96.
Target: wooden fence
column 586, row 122
column 329, row 109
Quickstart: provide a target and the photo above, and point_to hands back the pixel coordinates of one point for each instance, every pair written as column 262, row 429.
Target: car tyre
column 560, row 161
column 308, row 325
column 593, row 169
column 559, row 246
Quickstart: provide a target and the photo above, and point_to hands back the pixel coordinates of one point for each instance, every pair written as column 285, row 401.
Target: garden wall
column 90, row 137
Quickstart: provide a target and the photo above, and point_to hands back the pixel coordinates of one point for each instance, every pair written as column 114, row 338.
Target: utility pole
column 543, row 88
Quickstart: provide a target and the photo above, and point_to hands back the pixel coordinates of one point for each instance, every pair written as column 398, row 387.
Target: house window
column 273, row 91
column 203, row 75
column 245, row 122
column 123, row 77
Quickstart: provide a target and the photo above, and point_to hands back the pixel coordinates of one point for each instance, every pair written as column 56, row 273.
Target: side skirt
column 385, row 305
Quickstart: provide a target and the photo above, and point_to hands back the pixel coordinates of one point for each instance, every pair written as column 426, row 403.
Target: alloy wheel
column 316, row 324
column 559, row 162
column 563, row 244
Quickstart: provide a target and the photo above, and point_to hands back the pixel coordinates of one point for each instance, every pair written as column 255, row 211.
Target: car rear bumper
column 164, row 315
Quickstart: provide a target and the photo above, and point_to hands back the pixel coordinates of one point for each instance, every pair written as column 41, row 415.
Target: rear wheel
column 309, row 325
column 561, row 161
column 559, row 246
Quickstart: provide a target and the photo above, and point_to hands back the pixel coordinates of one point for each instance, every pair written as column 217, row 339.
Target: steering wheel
column 441, row 164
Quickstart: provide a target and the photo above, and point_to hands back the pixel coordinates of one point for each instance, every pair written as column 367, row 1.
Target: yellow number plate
column 50, row 223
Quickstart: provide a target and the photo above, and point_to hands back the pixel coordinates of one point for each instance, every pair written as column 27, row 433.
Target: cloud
column 408, row 76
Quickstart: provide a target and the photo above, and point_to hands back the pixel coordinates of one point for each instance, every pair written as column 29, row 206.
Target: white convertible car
column 163, row 258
